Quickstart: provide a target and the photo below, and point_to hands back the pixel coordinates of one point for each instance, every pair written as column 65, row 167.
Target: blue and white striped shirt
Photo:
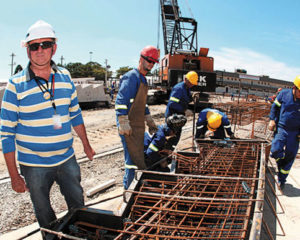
column 27, row 119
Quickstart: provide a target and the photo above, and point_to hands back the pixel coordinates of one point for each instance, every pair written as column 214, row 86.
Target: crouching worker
column 157, row 147
column 215, row 121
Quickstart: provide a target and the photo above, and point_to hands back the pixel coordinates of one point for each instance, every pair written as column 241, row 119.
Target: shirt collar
column 30, row 74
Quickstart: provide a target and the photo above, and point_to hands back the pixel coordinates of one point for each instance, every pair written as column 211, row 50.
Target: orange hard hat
column 150, row 53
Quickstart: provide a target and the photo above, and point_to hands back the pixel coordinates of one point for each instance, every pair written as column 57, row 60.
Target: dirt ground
column 16, row 210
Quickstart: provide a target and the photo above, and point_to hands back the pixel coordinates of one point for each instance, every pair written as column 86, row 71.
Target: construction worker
column 154, row 144
column 215, row 121
column 273, row 97
column 132, row 112
column 36, row 120
column 286, row 108
column 180, row 97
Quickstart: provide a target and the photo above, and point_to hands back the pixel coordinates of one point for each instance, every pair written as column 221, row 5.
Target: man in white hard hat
column 39, row 108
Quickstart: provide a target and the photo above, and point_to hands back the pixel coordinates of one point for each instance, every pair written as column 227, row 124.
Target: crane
column 181, row 53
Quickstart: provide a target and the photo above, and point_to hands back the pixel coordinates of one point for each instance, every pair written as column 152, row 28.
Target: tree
column 122, row 70
column 91, row 69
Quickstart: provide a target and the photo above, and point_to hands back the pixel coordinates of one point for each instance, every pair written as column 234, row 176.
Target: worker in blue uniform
column 215, row 121
column 285, row 144
column 157, row 147
column 180, row 97
column 132, row 112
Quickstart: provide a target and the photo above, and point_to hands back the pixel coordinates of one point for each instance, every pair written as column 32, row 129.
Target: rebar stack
column 212, row 196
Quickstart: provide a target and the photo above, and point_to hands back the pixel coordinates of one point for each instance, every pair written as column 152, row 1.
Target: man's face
column 41, row 55
column 147, row 65
column 188, row 83
column 297, row 93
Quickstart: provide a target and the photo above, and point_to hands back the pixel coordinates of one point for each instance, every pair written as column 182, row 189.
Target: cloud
column 255, row 63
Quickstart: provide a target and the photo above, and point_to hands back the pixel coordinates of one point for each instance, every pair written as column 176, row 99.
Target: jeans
column 39, row 180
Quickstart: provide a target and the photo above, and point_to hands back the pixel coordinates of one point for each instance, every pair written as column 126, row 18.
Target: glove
column 124, row 126
column 271, row 125
column 202, row 136
column 151, row 124
column 232, row 136
column 195, row 96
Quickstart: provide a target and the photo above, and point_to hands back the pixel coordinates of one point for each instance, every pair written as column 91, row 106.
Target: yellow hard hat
column 214, row 121
column 297, row 82
column 192, row 77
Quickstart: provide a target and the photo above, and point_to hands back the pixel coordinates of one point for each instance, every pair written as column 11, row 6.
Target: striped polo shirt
column 27, row 118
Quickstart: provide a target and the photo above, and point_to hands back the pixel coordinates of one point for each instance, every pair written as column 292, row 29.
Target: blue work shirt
column 156, row 143
column 287, row 110
column 202, row 121
column 179, row 99
column 129, row 86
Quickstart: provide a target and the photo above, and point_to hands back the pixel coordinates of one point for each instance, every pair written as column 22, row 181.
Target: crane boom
column 180, row 33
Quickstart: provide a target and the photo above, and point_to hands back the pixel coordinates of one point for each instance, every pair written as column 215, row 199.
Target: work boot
column 282, row 185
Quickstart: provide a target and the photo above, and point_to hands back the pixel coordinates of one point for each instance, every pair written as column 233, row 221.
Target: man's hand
column 151, row 124
column 18, row 184
column 232, row 136
column 196, row 96
column 90, row 152
column 272, row 125
column 124, row 126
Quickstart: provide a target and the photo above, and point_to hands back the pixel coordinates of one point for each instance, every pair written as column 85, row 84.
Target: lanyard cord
column 51, row 91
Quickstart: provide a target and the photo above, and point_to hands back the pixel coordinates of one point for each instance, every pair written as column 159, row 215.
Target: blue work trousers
column 129, row 165
column 39, row 180
column 284, row 149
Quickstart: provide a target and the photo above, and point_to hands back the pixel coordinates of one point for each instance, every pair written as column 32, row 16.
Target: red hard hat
column 279, row 89
column 150, row 53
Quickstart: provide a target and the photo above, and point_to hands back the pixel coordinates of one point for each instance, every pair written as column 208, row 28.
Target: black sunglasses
column 44, row 45
column 148, row 60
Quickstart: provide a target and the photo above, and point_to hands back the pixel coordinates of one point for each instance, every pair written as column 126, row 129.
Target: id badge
column 56, row 122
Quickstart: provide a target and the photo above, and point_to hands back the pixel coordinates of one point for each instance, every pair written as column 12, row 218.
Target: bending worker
column 153, row 145
column 36, row 121
column 179, row 99
column 286, row 108
column 215, row 121
column 132, row 112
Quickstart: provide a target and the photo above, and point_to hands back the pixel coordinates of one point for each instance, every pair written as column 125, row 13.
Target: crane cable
column 190, row 10
column 158, row 25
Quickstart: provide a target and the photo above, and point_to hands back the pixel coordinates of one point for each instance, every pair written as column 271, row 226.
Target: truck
column 181, row 55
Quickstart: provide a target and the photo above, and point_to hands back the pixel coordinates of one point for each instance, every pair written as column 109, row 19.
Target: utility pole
column 12, row 63
column 91, row 53
column 106, row 70
column 105, row 81
column 61, row 60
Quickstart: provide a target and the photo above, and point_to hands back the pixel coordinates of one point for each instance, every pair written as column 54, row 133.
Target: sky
column 261, row 36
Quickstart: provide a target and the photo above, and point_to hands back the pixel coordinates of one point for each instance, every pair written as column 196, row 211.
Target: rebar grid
column 198, row 208
column 238, row 159
column 244, row 113
column 216, row 202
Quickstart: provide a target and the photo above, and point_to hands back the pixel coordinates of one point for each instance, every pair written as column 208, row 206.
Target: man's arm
column 81, row 132
column 17, row 182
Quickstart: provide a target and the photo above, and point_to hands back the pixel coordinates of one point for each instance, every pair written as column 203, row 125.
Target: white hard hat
column 38, row 30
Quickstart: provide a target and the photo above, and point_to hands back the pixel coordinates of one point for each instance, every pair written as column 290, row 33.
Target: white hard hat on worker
column 41, row 44
column 39, row 30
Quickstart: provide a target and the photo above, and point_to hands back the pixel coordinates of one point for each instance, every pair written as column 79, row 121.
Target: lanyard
column 48, row 93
